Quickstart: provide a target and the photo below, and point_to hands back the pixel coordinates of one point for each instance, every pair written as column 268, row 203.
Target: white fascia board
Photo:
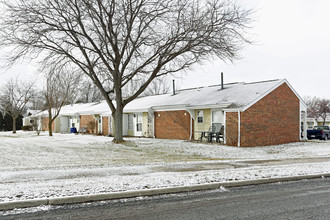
column 135, row 110
column 190, row 107
column 68, row 115
column 106, row 114
column 232, row 109
column 85, row 113
column 220, row 105
column 169, row 108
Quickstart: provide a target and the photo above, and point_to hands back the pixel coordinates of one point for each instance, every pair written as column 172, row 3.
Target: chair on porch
column 207, row 134
column 220, row 134
column 217, row 132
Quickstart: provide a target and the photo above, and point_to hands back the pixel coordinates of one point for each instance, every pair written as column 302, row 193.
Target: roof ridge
column 271, row 80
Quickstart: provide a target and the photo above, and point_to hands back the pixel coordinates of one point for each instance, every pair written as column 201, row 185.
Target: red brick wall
column 271, row 121
column 231, row 128
column 84, row 122
column 172, row 125
column 105, row 125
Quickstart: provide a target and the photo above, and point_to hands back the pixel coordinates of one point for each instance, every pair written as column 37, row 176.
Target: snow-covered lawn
column 34, row 166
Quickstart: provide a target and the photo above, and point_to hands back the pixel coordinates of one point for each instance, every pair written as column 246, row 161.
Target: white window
column 200, row 116
column 130, row 121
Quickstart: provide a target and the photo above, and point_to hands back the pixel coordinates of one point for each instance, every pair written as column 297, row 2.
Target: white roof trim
column 232, row 110
column 135, row 110
column 218, row 105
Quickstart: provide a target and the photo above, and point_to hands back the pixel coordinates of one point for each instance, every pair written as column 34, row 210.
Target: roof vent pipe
column 221, row 80
column 173, row 87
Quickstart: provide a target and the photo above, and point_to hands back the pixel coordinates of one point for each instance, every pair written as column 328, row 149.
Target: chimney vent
column 173, row 87
column 221, row 80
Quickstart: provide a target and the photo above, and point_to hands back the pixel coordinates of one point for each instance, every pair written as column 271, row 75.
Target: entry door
column 125, row 124
column 217, row 117
column 64, row 124
column 138, row 124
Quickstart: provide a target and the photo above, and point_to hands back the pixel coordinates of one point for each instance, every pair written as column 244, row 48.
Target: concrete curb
column 150, row 192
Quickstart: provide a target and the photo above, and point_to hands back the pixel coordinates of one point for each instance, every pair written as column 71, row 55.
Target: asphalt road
column 306, row 199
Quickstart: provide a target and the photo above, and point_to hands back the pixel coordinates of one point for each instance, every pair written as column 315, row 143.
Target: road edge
column 148, row 192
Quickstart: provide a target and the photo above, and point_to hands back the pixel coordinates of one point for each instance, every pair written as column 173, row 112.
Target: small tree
column 14, row 97
column 61, row 87
column 92, row 126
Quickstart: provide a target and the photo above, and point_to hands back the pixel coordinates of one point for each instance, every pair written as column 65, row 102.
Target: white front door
column 138, row 120
column 125, row 124
column 64, row 124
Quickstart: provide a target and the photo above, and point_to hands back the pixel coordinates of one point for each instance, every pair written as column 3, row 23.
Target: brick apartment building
column 252, row 114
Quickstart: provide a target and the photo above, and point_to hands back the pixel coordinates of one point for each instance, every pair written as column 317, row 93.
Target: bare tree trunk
column 50, row 129
column 14, row 125
column 118, row 137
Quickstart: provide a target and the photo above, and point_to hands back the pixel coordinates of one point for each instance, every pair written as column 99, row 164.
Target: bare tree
column 37, row 100
column 61, row 85
column 14, row 97
column 115, row 42
column 312, row 106
column 317, row 108
column 88, row 92
column 324, row 109
column 160, row 85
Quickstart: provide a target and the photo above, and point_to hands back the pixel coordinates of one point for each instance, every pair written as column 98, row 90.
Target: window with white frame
column 200, row 116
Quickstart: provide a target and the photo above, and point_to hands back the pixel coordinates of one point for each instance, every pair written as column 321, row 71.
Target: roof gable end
column 271, row 90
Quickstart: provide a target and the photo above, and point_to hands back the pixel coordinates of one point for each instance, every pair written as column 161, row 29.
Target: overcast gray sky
column 292, row 41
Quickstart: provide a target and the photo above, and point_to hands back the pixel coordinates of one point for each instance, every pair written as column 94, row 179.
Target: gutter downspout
column 192, row 116
column 151, row 115
column 153, row 127
column 190, row 128
column 239, row 128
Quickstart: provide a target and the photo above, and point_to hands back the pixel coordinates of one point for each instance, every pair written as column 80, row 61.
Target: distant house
column 311, row 122
column 253, row 114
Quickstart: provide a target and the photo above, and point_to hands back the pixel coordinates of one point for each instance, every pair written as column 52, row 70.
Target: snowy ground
column 34, row 166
